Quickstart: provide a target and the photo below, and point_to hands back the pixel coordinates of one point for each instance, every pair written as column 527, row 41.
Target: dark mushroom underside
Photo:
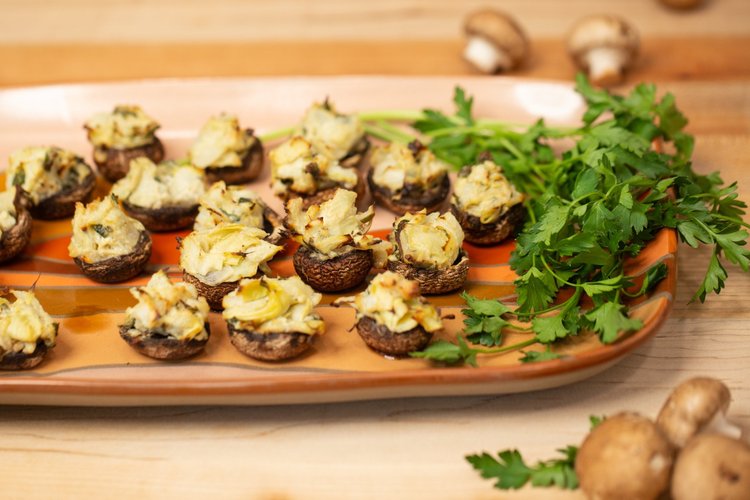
column 252, row 165
column 63, row 204
column 159, row 346
column 434, row 281
column 412, row 199
column 170, row 218
column 274, row 226
column 16, row 238
column 479, row 233
column 22, row 361
column 269, row 346
column 214, row 294
column 356, row 154
column 379, row 338
column 332, row 275
column 116, row 162
column 119, row 268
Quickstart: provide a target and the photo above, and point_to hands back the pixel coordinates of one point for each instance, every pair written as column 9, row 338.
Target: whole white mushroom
column 495, row 42
column 604, row 46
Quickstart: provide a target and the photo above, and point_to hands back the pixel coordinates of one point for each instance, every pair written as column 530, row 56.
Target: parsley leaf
column 511, row 472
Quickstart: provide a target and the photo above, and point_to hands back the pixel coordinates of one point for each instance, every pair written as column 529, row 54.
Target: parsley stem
column 393, row 115
column 508, row 348
column 277, row 134
column 386, row 135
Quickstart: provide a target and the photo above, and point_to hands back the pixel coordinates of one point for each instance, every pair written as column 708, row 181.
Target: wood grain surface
column 393, row 448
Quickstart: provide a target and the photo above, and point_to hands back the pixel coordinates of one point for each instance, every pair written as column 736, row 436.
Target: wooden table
column 381, row 449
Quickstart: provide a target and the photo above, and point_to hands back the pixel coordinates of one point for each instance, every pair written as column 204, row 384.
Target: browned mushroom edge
column 23, row 361
column 269, row 346
column 379, row 338
column 15, row 239
column 214, row 294
column 120, row 268
column 413, row 197
column 168, row 218
column 159, row 346
column 63, row 203
column 492, row 233
column 117, row 160
column 332, row 275
column 252, row 165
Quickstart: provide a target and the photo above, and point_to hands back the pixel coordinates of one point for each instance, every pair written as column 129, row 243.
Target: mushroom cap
column 501, row 30
column 712, row 466
column 379, row 338
column 690, row 407
column 113, row 163
column 269, row 346
column 252, row 166
column 166, row 218
column 159, row 347
column 681, row 4
column 602, row 31
column 121, row 267
column 624, row 457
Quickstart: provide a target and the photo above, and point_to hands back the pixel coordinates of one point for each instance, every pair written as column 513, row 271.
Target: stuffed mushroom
column 170, row 320
column 392, row 318
column 298, row 170
column 338, row 136
column 427, row 248
column 123, row 135
column 488, row 207
column 107, row 245
column 15, row 224
column 216, row 259
column 163, row 197
column 27, row 332
column 227, row 152
column 273, row 319
column 238, row 205
column 335, row 253
column 52, row 179
column 408, row 178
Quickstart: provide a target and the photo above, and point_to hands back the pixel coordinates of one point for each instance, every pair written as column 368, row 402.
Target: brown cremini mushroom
column 712, row 467
column 624, row 457
column 696, row 405
column 495, row 42
column 605, row 46
column 682, row 4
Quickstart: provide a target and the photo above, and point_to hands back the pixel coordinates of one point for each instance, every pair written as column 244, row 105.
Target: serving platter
column 91, row 365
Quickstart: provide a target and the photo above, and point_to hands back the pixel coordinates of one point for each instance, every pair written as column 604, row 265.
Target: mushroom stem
column 606, row 65
column 485, row 55
column 720, row 425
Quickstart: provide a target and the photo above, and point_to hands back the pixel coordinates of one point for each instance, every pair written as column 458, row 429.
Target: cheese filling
column 233, row 204
column 394, row 302
column 124, row 128
column 427, row 240
column 485, row 192
column 270, row 305
column 335, row 228
column 23, row 323
column 396, row 166
column 221, row 143
column 101, row 230
column 296, row 167
column 7, row 210
column 226, row 253
column 169, row 309
column 167, row 184
column 329, row 132
column 45, row 171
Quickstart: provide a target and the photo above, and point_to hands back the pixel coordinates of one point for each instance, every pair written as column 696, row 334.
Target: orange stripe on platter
column 494, row 274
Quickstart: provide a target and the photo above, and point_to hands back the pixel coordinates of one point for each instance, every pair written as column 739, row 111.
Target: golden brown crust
column 411, row 200
column 15, row 239
column 475, row 231
column 170, row 218
column 252, row 165
column 435, row 281
column 269, row 346
column 379, row 338
column 22, row 361
column 159, row 346
column 214, row 294
column 63, row 204
column 117, row 161
column 332, row 275
column 119, row 268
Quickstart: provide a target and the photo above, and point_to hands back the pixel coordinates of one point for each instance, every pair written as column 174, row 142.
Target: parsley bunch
column 590, row 208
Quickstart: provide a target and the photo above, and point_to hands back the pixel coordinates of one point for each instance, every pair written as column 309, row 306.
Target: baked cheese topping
column 124, row 128
column 427, row 240
column 167, row 184
column 23, row 323
column 45, row 171
column 297, row 167
column 397, row 165
column 233, row 204
column 221, row 143
column 171, row 309
column 271, row 305
column 394, row 302
column 331, row 133
column 226, row 253
column 101, row 230
column 484, row 192
column 334, row 227
column 7, row 210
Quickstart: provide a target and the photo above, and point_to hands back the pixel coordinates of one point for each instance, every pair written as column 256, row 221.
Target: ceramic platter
column 91, row 365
